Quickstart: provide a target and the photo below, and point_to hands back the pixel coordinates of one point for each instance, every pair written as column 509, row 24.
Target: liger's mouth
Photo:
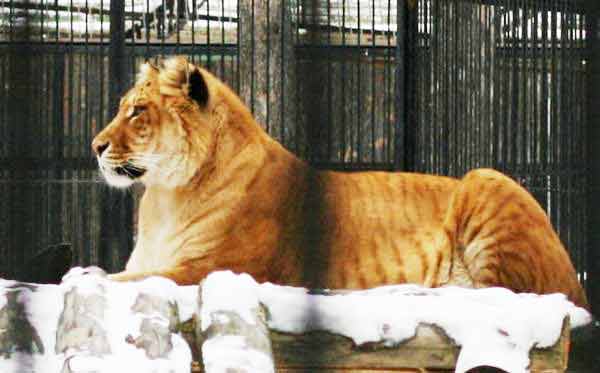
column 127, row 170
column 130, row 171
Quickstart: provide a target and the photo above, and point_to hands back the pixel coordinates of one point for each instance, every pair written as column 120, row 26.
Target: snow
column 231, row 353
column 226, row 292
column 216, row 296
column 494, row 326
column 44, row 307
column 187, row 301
column 120, row 322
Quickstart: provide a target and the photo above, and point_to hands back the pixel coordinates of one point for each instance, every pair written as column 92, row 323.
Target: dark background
column 433, row 86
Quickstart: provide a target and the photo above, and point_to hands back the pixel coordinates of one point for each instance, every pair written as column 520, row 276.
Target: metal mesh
column 503, row 85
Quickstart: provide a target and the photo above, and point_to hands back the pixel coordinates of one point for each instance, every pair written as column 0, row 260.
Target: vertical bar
column 19, row 83
column 525, row 62
column 238, row 49
column 314, row 85
column 252, row 55
column 569, row 128
column 461, row 74
column 42, row 21
column 147, row 20
column 431, row 89
column 388, row 88
column 515, row 123
column 330, row 123
column 553, row 138
column 400, row 97
column 410, row 87
column 86, row 254
column 562, row 181
column 435, row 81
column 282, row 109
column 58, row 86
column 56, row 21
column 41, row 68
column 117, row 68
column 163, row 27
column 121, row 232
column 359, row 107
column 580, row 145
column 593, row 151
column 453, row 99
column 495, row 19
column 177, row 10
column 487, row 63
column 544, row 93
column 223, row 39
column 373, row 100
column 534, row 88
column 508, row 18
column 468, row 125
column 267, row 71
column 297, row 90
column 343, row 89
column 208, row 44
column 445, row 37
column 481, row 97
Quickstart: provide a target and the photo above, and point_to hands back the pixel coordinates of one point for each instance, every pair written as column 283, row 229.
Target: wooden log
column 155, row 337
column 80, row 327
column 17, row 332
column 231, row 331
column 104, row 323
column 430, row 349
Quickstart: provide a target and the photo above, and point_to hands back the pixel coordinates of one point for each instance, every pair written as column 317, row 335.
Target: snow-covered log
column 402, row 326
column 28, row 316
column 17, row 332
column 233, row 330
column 89, row 323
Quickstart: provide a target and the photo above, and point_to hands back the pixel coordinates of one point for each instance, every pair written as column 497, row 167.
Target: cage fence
column 431, row 86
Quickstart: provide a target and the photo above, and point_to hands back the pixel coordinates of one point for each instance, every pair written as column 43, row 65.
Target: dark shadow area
column 486, row 369
column 47, row 266
column 584, row 356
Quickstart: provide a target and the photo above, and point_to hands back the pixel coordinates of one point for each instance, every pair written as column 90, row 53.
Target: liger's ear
column 198, row 90
column 178, row 77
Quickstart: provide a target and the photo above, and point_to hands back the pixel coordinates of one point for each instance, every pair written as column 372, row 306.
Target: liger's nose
column 99, row 147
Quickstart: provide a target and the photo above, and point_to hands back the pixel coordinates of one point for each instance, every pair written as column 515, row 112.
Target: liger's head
column 165, row 128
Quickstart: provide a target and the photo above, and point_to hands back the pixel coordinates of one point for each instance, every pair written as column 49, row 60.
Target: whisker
column 128, row 172
column 147, row 160
column 144, row 155
column 136, row 168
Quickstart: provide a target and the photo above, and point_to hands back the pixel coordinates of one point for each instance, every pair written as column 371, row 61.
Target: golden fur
column 221, row 194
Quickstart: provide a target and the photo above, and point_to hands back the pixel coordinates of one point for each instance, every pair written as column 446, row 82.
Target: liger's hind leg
column 502, row 237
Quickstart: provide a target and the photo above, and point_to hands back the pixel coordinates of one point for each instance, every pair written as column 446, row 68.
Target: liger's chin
column 116, row 180
column 121, row 176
